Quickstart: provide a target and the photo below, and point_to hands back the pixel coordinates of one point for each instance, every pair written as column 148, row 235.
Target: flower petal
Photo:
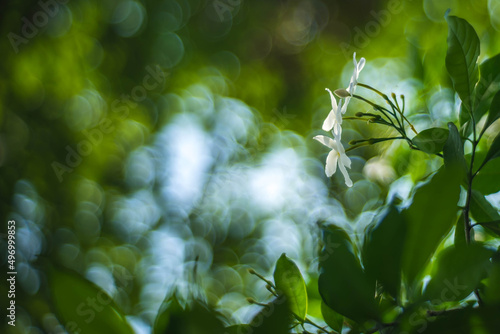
column 327, row 141
column 338, row 146
column 352, row 84
column 337, row 130
column 331, row 163
column 329, row 121
column 345, row 160
column 344, row 106
column 348, row 181
column 334, row 101
column 361, row 64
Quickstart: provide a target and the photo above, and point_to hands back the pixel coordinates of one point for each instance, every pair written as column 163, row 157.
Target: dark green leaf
column 494, row 113
column 238, row 329
column 84, row 307
column 482, row 210
column 493, row 226
column 454, row 322
column 382, row 252
column 460, row 232
column 193, row 319
column 453, row 151
column 488, row 85
column 332, row 318
column 343, row 285
column 290, row 283
column 461, row 58
column 487, row 180
column 273, row 319
column 464, row 121
column 457, row 273
column 431, row 140
column 463, row 321
column 168, row 306
column 492, row 290
column 430, row 218
column 494, row 151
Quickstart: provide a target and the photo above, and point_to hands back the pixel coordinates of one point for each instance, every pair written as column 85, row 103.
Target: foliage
column 385, row 292
column 383, row 262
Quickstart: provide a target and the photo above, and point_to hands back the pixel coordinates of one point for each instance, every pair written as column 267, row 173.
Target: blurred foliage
column 161, row 148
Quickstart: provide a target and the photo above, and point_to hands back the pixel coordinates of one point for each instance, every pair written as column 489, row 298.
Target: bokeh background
column 161, row 146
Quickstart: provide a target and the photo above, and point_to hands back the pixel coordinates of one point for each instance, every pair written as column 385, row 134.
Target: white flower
column 355, row 75
column 336, row 156
column 334, row 118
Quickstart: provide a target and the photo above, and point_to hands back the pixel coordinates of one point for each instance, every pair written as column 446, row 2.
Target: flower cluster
column 333, row 123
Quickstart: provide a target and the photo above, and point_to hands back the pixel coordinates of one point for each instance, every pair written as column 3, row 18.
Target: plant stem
column 377, row 107
column 394, row 107
column 271, row 284
column 470, row 178
column 308, row 321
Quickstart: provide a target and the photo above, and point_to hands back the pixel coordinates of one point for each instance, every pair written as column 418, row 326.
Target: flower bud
column 342, row 93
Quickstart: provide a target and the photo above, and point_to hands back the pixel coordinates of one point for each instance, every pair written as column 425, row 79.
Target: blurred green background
column 143, row 139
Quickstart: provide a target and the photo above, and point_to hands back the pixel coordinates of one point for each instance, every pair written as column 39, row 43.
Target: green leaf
column 482, row 210
column 168, row 306
column 290, row 283
column 487, row 180
column 492, row 289
column 238, row 329
column 332, row 318
column 459, row 240
column 488, row 85
column 82, row 306
column 193, row 319
column 342, row 284
column 464, row 120
column 458, row 271
column 494, row 151
column 453, row 151
column 431, row 140
column 494, row 113
column 273, row 319
column 493, row 226
column 430, row 217
column 461, row 58
column 463, row 321
column 456, row 322
column 382, row 252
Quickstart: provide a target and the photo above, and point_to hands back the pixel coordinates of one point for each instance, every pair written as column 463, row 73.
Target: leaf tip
column 447, row 13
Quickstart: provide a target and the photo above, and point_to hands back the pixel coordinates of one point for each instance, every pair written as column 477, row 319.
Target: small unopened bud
column 342, row 93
